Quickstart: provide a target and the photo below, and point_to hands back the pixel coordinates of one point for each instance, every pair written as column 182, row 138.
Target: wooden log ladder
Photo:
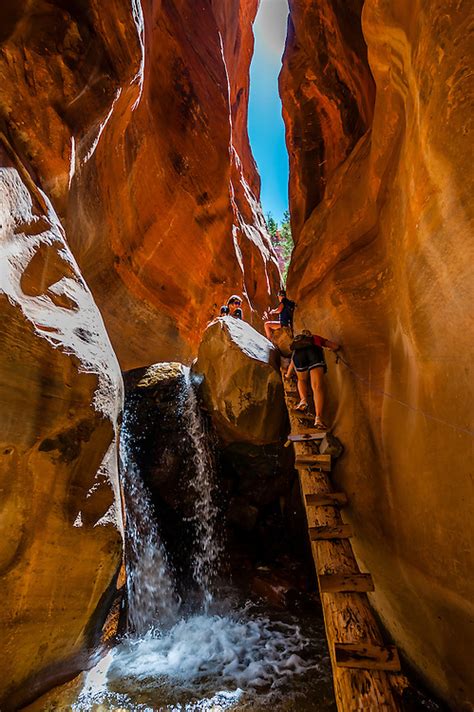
column 364, row 668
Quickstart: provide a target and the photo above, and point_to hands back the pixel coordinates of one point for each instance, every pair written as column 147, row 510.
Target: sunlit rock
column 136, row 128
column 242, row 387
column 383, row 264
column 60, row 392
column 282, row 338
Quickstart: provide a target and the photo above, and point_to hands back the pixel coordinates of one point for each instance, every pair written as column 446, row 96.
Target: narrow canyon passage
column 154, row 532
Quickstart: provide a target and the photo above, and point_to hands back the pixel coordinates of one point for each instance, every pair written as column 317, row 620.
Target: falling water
column 224, row 655
column 208, row 543
column 152, row 599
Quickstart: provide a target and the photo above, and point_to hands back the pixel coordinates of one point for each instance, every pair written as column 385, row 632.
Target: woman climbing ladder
column 308, row 358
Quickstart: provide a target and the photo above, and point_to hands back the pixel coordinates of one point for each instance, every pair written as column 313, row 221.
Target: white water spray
column 152, row 600
column 207, row 542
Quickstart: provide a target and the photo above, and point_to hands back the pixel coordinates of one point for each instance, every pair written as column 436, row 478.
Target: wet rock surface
column 379, row 200
column 256, row 484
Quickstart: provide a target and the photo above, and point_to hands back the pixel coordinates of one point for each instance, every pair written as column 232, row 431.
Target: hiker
column 285, row 311
column 233, row 307
column 308, row 358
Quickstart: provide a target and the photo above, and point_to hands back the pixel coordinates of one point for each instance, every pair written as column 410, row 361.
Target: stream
column 216, row 650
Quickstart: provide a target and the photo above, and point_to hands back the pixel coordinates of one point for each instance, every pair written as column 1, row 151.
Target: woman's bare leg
column 270, row 326
column 317, row 386
column 302, row 384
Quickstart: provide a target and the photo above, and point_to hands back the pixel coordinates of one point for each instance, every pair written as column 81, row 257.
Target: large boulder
column 243, row 393
column 242, row 387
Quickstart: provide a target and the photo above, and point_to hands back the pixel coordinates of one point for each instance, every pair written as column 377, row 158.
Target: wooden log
column 367, row 656
column 348, row 617
column 323, row 462
column 337, row 583
column 342, row 531
column 326, row 499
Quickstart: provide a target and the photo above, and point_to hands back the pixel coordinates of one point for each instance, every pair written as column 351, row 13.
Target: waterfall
column 208, row 542
column 152, row 600
column 189, row 658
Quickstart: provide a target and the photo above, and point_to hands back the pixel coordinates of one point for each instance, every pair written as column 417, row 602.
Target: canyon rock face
column 126, row 166
column 139, row 138
column 242, row 388
column 380, row 200
column 60, row 393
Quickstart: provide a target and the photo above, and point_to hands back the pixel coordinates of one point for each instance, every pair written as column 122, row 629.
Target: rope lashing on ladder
column 381, row 392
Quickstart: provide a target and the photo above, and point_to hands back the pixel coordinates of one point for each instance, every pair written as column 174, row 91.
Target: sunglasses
column 236, row 302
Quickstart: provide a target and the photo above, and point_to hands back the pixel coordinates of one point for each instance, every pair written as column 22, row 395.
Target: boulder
column 241, row 387
column 330, row 445
column 281, row 339
column 241, row 514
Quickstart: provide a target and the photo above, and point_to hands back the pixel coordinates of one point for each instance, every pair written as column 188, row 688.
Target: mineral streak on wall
column 127, row 184
column 380, row 195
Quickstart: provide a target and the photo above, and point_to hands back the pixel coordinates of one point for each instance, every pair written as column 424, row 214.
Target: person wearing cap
column 233, row 307
column 284, row 310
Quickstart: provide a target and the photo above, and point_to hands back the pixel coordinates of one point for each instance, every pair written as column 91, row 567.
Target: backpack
column 301, row 341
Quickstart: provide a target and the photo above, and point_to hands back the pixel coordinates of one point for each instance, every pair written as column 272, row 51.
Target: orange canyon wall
column 380, row 196
column 127, row 186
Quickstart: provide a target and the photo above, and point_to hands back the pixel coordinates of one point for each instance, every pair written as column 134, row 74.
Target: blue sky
column 266, row 128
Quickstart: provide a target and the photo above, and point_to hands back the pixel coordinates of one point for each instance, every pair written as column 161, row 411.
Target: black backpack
column 301, row 341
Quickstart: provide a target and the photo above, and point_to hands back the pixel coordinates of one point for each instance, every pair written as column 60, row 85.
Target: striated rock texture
column 126, row 146
column 60, row 392
column 382, row 264
column 139, row 138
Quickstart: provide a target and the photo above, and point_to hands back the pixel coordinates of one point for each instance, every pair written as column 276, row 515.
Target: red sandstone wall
column 380, row 200
column 127, row 183
column 165, row 219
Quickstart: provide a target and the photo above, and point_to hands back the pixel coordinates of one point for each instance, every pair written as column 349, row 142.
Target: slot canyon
column 130, row 210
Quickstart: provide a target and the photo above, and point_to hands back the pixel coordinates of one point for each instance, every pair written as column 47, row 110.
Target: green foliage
column 282, row 240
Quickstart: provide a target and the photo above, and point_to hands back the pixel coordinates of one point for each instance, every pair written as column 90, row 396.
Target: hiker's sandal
column 302, row 405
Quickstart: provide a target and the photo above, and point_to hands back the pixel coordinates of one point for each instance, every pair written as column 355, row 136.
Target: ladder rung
column 340, row 583
column 340, row 531
column 302, row 437
column 323, row 462
column 334, row 499
column 367, row 656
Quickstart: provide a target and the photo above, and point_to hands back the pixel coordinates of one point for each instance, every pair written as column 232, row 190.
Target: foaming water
column 211, row 654
column 234, row 661
column 207, row 543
